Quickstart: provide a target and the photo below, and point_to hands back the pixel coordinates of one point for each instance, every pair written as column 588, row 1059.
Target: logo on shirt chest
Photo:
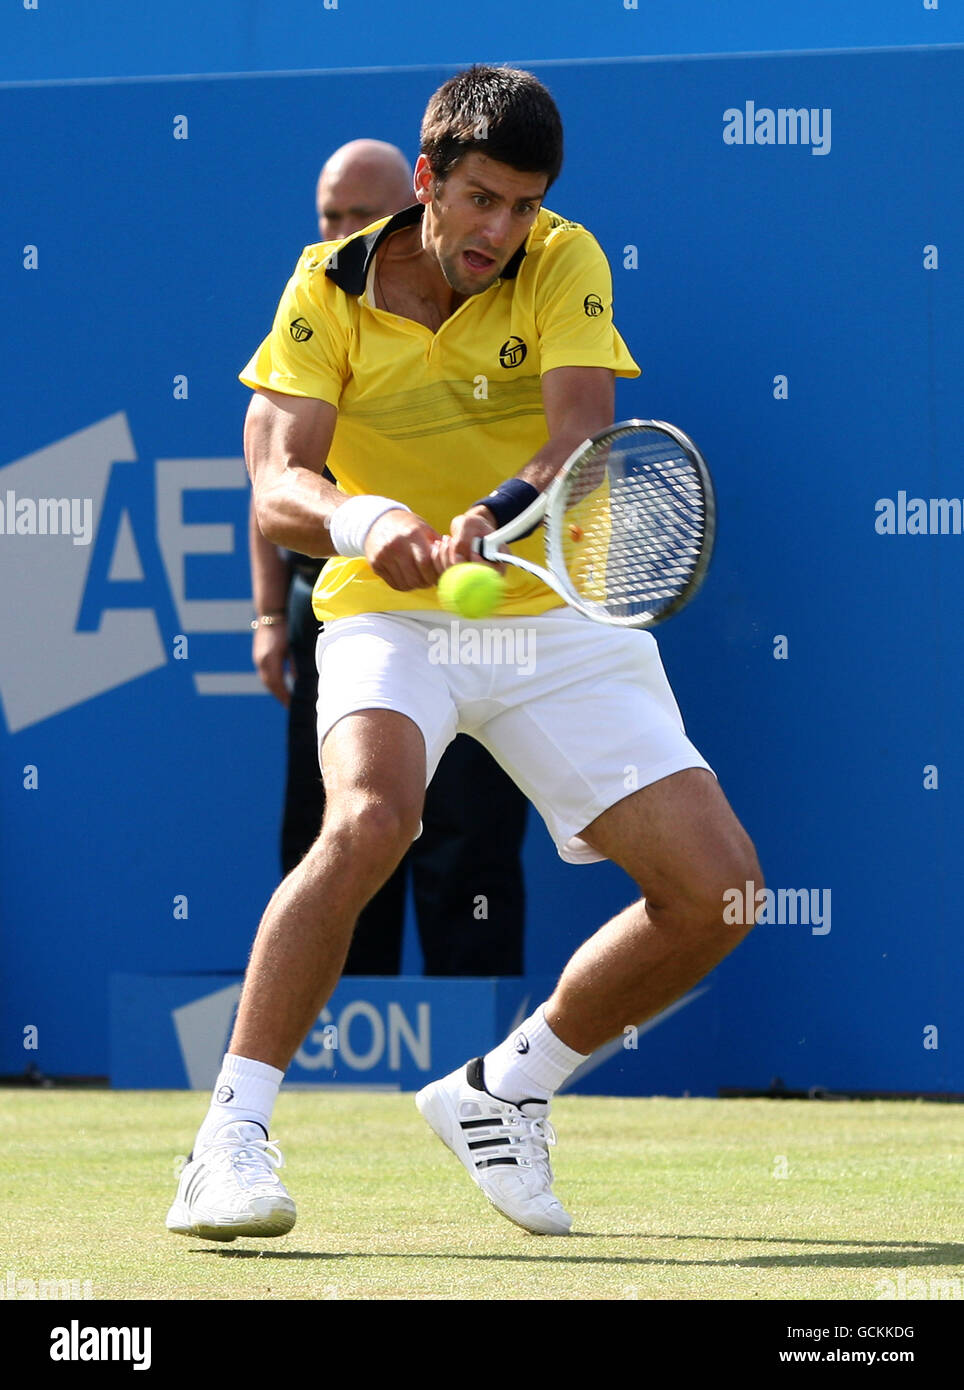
column 512, row 353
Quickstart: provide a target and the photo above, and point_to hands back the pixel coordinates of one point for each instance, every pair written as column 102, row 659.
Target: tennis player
column 444, row 363
column 468, row 847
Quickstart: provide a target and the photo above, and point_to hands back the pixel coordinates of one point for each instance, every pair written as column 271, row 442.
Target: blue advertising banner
column 785, row 239
column 170, row 1032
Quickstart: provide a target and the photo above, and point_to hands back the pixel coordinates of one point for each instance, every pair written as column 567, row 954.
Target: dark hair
column 500, row 112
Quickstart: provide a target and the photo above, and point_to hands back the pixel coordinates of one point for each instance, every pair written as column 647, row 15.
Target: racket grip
column 478, row 548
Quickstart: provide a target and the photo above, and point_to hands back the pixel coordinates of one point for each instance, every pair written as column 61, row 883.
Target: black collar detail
column 350, row 273
column 354, row 257
column 512, row 266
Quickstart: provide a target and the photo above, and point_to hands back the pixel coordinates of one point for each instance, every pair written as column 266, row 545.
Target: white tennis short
column 579, row 715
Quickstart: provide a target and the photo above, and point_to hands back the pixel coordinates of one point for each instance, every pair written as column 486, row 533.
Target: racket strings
column 631, row 527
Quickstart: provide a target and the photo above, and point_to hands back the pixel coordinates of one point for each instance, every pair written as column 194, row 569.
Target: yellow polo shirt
column 438, row 420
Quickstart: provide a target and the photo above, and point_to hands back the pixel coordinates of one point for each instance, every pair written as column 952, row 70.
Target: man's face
column 350, row 197
column 477, row 218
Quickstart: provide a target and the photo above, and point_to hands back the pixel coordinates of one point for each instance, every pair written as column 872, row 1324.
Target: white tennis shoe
column 231, row 1190
column 504, row 1147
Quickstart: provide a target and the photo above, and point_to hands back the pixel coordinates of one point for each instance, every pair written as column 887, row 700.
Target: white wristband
column 351, row 522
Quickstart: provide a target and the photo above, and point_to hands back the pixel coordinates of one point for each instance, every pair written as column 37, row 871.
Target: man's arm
column 578, row 401
column 270, row 582
column 286, row 443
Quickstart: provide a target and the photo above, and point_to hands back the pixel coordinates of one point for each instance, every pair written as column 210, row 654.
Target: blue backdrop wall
column 44, row 39
column 796, row 307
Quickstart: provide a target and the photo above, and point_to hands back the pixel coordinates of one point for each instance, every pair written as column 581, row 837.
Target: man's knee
column 741, row 881
column 704, row 902
column 363, row 823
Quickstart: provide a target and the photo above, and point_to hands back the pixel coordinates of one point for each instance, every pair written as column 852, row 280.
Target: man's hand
column 457, row 547
column 400, row 547
column 270, row 655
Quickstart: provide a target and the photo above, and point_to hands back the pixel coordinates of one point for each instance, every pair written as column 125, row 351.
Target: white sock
column 531, row 1063
column 245, row 1091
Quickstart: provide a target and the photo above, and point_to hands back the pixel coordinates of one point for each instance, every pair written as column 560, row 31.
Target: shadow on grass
column 826, row 1254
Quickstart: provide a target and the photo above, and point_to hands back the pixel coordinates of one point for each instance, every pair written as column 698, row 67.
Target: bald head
column 361, row 182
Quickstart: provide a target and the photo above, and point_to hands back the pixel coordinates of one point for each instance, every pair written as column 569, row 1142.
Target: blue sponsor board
column 169, row 1032
column 803, row 213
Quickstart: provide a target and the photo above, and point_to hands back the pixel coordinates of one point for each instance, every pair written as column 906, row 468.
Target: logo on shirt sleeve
column 512, row 353
column 593, row 305
column 300, row 330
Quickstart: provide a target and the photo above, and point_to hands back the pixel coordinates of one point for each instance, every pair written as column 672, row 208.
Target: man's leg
column 376, row 946
column 374, row 766
column 681, row 842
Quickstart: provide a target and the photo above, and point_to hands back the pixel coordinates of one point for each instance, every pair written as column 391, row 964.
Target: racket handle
column 480, row 548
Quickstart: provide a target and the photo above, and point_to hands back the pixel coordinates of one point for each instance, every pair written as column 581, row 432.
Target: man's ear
column 425, row 182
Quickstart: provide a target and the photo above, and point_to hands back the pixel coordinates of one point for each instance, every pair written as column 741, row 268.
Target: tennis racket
column 629, row 525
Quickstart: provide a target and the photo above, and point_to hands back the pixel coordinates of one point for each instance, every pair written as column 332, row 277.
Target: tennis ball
column 471, row 590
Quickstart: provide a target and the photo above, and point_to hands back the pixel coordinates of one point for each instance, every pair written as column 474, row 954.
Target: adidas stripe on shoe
column 504, row 1147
